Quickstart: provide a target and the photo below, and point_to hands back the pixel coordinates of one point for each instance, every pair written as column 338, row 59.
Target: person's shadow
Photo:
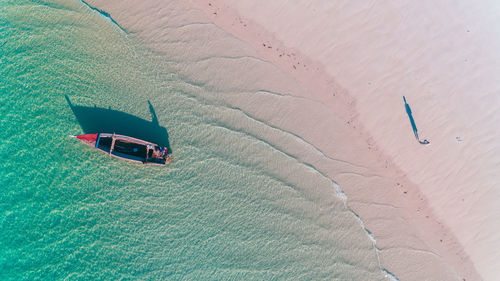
column 412, row 121
column 106, row 120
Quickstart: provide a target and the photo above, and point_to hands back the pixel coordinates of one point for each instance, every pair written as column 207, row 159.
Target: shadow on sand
column 106, row 120
column 412, row 121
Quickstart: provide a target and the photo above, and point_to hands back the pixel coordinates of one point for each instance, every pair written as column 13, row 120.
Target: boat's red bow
column 88, row 137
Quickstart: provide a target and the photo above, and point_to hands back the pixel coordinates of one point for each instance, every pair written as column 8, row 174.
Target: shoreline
column 439, row 56
column 253, row 34
column 368, row 196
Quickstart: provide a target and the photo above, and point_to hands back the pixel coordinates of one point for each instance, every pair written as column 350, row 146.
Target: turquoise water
column 230, row 207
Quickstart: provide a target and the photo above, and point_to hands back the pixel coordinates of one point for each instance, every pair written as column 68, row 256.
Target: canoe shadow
column 106, row 120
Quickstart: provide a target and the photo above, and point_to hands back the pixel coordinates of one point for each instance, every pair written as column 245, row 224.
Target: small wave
column 339, row 192
column 387, row 273
column 105, row 14
column 390, row 275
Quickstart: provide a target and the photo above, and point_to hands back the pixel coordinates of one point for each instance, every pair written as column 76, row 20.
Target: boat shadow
column 95, row 119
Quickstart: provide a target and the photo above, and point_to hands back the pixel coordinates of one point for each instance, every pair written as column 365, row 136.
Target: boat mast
column 98, row 139
column 112, row 144
column 147, row 153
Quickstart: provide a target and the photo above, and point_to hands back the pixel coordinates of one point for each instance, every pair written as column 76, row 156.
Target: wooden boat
column 128, row 148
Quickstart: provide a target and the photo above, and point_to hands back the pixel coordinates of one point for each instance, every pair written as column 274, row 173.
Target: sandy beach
column 333, row 77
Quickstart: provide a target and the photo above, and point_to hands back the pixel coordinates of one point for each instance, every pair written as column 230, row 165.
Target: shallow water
column 230, row 206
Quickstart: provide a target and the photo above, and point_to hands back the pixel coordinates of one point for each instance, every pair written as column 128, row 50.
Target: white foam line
column 387, row 273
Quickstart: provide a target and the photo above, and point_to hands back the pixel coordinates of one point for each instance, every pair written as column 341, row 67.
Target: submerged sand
column 333, row 77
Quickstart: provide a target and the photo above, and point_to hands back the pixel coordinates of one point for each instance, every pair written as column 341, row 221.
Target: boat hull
column 127, row 148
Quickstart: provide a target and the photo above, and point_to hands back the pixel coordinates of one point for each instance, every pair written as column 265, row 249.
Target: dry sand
column 333, row 76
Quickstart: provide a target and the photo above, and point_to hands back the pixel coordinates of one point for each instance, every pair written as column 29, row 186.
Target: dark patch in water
column 51, row 5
